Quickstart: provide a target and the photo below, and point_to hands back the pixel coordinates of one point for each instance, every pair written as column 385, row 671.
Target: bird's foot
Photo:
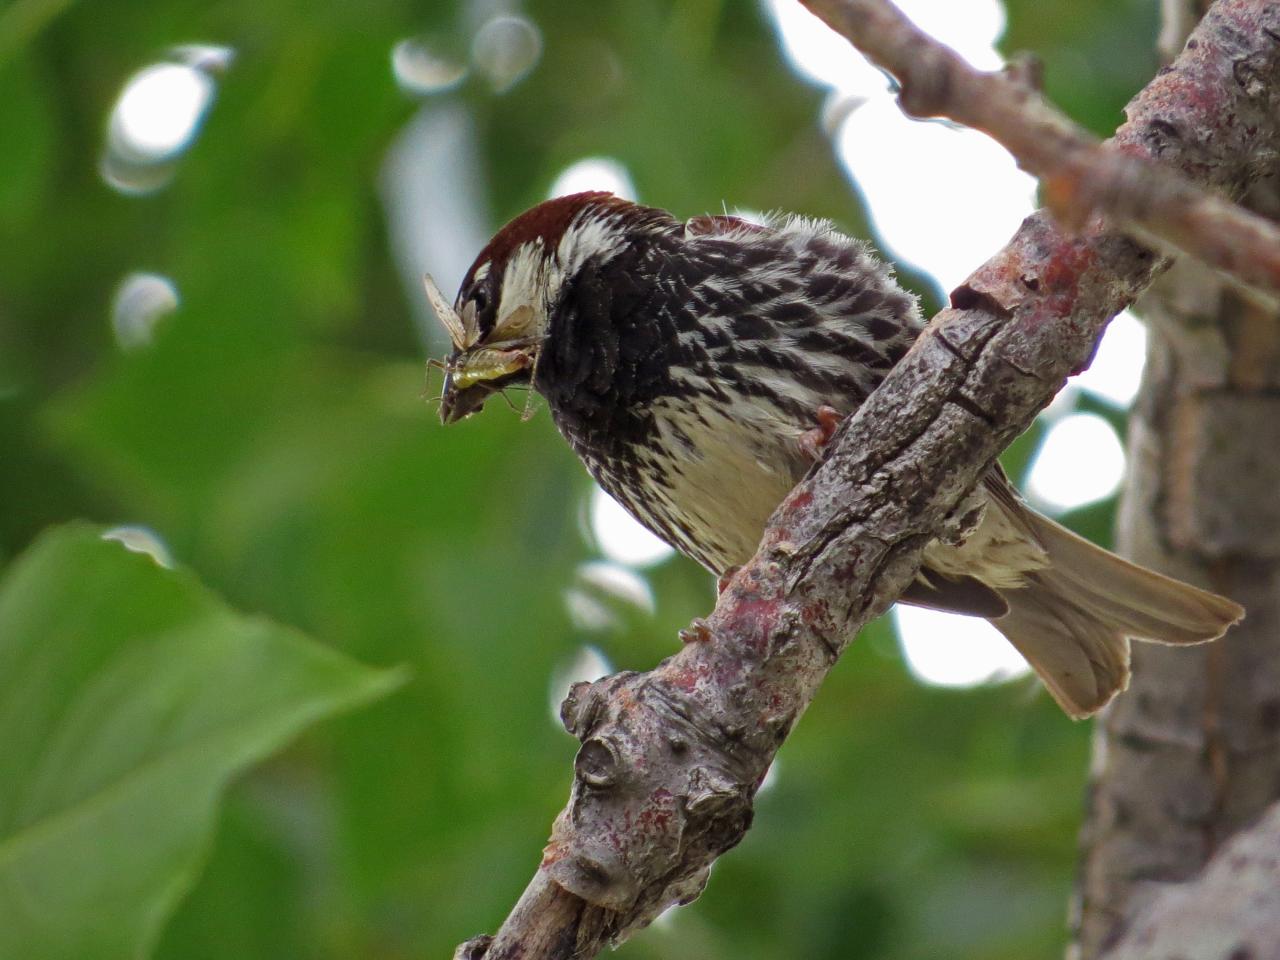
column 815, row 440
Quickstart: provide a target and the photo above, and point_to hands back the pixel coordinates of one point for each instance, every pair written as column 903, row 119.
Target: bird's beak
column 458, row 404
column 475, row 372
column 471, row 378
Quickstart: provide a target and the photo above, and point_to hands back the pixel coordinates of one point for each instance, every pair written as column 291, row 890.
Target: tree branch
column 671, row 759
column 1081, row 177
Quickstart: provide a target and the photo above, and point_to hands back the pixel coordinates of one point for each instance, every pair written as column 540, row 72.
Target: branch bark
column 671, row 759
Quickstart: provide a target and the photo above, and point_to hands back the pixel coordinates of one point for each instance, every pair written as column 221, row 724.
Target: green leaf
column 129, row 695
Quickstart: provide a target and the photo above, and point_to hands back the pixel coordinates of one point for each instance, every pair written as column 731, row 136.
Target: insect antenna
column 507, row 400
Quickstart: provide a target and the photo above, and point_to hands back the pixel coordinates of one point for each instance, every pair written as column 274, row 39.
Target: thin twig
column 1081, row 176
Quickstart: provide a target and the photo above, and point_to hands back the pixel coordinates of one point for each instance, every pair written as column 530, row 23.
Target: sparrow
column 697, row 368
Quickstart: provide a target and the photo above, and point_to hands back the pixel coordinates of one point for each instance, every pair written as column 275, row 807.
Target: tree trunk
column 1230, row 912
column 1191, row 753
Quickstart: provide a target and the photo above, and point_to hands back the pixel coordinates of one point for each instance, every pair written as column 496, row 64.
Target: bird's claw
column 815, row 440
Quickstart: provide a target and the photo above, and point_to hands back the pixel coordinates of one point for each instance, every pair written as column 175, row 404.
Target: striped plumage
column 688, row 404
column 686, row 362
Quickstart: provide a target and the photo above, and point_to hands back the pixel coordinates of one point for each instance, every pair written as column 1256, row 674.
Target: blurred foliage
column 128, row 696
column 276, row 436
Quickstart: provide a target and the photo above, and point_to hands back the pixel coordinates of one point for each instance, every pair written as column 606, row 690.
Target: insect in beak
column 476, row 372
column 472, row 378
column 489, row 364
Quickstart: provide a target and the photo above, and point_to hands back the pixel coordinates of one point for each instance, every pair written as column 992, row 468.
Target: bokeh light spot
column 594, row 173
column 948, row 650
column 1116, row 371
column 620, row 536
column 603, row 592
column 1080, row 461
column 160, row 109
column 206, row 57
column 142, row 300
column 505, row 49
column 157, row 116
column 588, row 612
column 139, row 539
column 770, row 778
column 942, row 197
column 619, row 583
column 969, row 27
column 819, row 54
column 419, row 69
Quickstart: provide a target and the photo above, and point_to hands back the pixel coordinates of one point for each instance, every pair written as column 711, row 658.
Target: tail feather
column 1073, row 619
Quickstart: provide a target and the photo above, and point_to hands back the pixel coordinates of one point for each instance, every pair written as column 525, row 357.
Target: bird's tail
column 1074, row 618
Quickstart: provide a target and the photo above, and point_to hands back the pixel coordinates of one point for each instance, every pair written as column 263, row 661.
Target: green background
column 276, row 436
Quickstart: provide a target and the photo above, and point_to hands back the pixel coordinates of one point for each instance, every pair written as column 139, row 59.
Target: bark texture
column 1191, row 753
column 671, row 759
column 1230, row 912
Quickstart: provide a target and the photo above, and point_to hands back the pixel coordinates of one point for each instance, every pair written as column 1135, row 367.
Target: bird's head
column 501, row 319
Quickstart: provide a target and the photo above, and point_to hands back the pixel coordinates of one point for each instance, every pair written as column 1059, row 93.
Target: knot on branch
column 655, row 799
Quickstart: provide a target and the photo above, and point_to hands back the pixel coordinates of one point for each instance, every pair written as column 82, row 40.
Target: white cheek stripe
column 534, row 279
column 524, row 279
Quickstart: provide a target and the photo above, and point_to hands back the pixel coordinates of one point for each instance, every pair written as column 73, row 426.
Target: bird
column 699, row 367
